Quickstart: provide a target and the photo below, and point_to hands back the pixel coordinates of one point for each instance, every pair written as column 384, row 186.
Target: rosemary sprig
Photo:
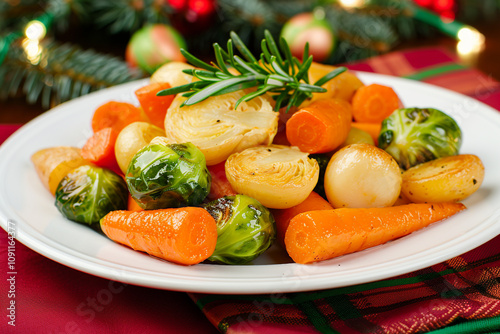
column 276, row 72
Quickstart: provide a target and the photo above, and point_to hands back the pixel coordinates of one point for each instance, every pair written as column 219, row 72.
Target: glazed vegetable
column 323, row 159
column 116, row 115
column 168, row 176
column 182, row 235
column 362, row 176
column 357, row 136
column 173, row 74
column 283, row 217
column 321, row 235
column 343, row 86
column 445, row 179
column 131, row 139
column 155, row 107
column 413, row 136
column 245, row 229
column 220, row 186
column 88, row 193
column 373, row 103
column 277, row 176
column 320, row 127
column 372, row 128
column 219, row 129
column 52, row 164
column 99, row 149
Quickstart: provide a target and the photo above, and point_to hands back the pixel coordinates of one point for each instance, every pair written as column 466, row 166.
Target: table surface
column 16, row 110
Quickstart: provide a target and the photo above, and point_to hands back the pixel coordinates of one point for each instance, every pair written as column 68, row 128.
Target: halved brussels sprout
column 219, row 129
column 414, row 135
column 88, row 193
column 278, row 176
column 168, row 176
column 245, row 229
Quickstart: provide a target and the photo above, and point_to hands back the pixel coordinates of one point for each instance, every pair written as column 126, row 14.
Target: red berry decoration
column 192, row 15
column 310, row 28
column 154, row 45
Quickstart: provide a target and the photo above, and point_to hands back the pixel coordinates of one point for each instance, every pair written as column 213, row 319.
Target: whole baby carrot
column 182, row 235
column 321, row 126
column 283, row 217
column 373, row 103
column 321, row 235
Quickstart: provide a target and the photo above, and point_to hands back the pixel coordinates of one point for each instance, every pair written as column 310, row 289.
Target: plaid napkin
column 461, row 295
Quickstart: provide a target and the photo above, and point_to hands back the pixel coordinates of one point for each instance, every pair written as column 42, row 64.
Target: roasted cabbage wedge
column 218, row 129
column 88, row 193
column 245, row 229
column 168, row 176
column 277, row 176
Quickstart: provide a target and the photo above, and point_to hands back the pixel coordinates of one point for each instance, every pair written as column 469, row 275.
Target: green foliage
column 61, row 72
column 275, row 72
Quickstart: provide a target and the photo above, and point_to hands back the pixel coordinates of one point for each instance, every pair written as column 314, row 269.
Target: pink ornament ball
column 154, row 45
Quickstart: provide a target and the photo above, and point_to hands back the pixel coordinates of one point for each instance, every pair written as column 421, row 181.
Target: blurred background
column 55, row 50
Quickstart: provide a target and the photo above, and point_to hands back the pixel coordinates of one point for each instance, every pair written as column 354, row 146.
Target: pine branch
column 62, row 72
column 126, row 15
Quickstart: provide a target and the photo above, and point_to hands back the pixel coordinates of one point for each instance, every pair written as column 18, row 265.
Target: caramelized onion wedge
column 218, row 129
column 277, row 176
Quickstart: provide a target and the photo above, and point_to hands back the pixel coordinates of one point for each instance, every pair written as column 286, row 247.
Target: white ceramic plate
column 29, row 208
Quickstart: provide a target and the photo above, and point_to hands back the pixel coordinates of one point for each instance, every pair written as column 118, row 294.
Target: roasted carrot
column 116, row 115
column 373, row 103
column 100, row 149
column 321, row 235
column 182, row 235
column 155, row 107
column 132, row 204
column 372, row 128
column 284, row 216
column 220, row 186
column 321, row 126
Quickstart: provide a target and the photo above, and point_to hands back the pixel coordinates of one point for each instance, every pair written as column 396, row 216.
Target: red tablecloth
column 52, row 298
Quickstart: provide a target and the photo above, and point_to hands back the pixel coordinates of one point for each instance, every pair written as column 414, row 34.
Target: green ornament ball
column 153, row 46
column 310, row 28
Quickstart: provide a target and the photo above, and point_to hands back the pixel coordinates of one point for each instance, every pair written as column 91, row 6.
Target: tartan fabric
column 461, row 295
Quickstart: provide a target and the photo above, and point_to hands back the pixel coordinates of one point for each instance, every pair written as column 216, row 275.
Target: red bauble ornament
column 154, row 45
column 192, row 15
column 310, row 28
column 445, row 8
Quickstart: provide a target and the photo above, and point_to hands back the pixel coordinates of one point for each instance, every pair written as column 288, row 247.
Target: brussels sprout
column 323, row 159
column 88, row 193
column 413, row 136
column 245, row 229
column 166, row 176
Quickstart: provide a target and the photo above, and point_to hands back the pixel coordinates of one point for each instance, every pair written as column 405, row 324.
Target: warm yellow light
column 33, row 50
column 35, row 30
column 469, row 41
column 351, row 3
